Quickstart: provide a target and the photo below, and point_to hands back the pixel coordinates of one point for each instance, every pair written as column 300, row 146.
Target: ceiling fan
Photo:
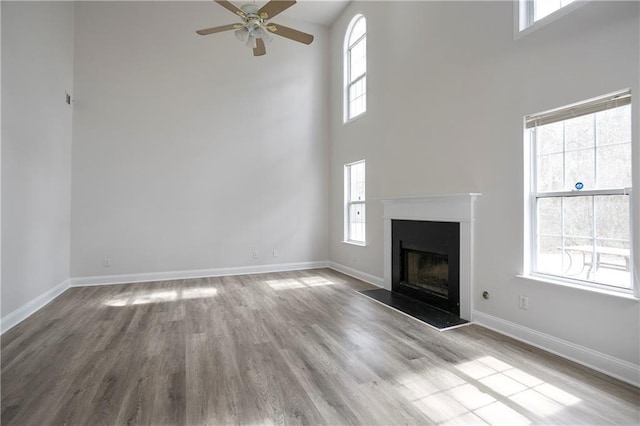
column 254, row 28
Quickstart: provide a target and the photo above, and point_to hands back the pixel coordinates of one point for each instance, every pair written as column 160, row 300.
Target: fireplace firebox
column 426, row 262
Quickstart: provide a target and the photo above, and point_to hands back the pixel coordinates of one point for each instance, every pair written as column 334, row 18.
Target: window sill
column 356, row 118
column 355, row 243
column 621, row 294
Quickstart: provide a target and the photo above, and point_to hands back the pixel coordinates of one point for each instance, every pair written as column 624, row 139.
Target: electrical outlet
column 106, row 263
column 275, row 253
column 254, row 255
column 524, row 302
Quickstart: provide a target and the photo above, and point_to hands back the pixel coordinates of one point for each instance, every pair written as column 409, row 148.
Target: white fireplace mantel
column 438, row 208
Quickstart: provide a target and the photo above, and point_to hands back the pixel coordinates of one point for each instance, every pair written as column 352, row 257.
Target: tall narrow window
column 354, row 189
column 356, row 68
column 580, row 192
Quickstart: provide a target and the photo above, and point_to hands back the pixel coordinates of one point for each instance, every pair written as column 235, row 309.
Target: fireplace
column 426, row 262
column 458, row 209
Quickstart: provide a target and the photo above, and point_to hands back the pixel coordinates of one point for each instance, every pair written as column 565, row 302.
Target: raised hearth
column 435, row 317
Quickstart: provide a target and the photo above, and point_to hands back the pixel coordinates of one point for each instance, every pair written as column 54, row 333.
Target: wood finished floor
column 294, row 347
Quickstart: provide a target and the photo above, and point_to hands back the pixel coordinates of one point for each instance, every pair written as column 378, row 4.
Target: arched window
column 355, row 59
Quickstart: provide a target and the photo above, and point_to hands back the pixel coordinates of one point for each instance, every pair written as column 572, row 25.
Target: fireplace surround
column 454, row 208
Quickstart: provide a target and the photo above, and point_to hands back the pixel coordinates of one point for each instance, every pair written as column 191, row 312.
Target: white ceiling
column 322, row 12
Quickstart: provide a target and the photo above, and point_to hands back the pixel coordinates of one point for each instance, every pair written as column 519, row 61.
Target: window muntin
column 355, row 208
column 356, row 68
column 580, row 192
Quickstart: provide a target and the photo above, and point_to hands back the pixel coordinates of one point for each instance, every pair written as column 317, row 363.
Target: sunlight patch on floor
column 303, row 282
column 499, row 414
column 522, row 377
column 315, row 281
column 486, row 389
column 284, row 284
column 470, row 396
column 197, row 292
column 537, row 403
column 158, row 296
column 154, row 296
column 557, row 394
column 475, row 369
column 521, row 388
column 443, row 396
column 503, row 384
column 440, row 407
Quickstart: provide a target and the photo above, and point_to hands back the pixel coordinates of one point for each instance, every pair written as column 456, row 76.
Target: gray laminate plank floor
column 288, row 348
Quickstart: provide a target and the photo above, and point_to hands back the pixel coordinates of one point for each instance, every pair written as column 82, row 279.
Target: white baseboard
column 363, row 276
column 198, row 273
column 611, row 366
column 25, row 311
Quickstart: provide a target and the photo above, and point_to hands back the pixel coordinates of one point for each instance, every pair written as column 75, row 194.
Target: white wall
column 189, row 153
column 445, row 107
column 37, row 69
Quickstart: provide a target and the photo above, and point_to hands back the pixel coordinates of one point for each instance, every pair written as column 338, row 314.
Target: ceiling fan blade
column 231, row 7
column 290, row 33
column 259, row 50
column 219, row 29
column 274, row 7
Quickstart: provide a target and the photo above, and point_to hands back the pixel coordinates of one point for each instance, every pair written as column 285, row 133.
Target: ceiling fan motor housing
column 254, row 25
column 251, row 17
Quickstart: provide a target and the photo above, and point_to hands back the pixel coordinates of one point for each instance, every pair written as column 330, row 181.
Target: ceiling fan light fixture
column 241, row 34
column 251, row 41
column 263, row 34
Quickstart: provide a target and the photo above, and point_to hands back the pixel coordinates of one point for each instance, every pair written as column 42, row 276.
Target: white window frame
column 347, row 69
column 348, row 202
column 530, row 222
column 524, row 15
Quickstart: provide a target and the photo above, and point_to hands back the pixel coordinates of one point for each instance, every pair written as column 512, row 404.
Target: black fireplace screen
column 425, row 262
column 426, row 271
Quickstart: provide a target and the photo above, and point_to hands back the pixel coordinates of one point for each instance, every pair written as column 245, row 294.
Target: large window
column 356, row 68
column 580, row 180
column 354, row 190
